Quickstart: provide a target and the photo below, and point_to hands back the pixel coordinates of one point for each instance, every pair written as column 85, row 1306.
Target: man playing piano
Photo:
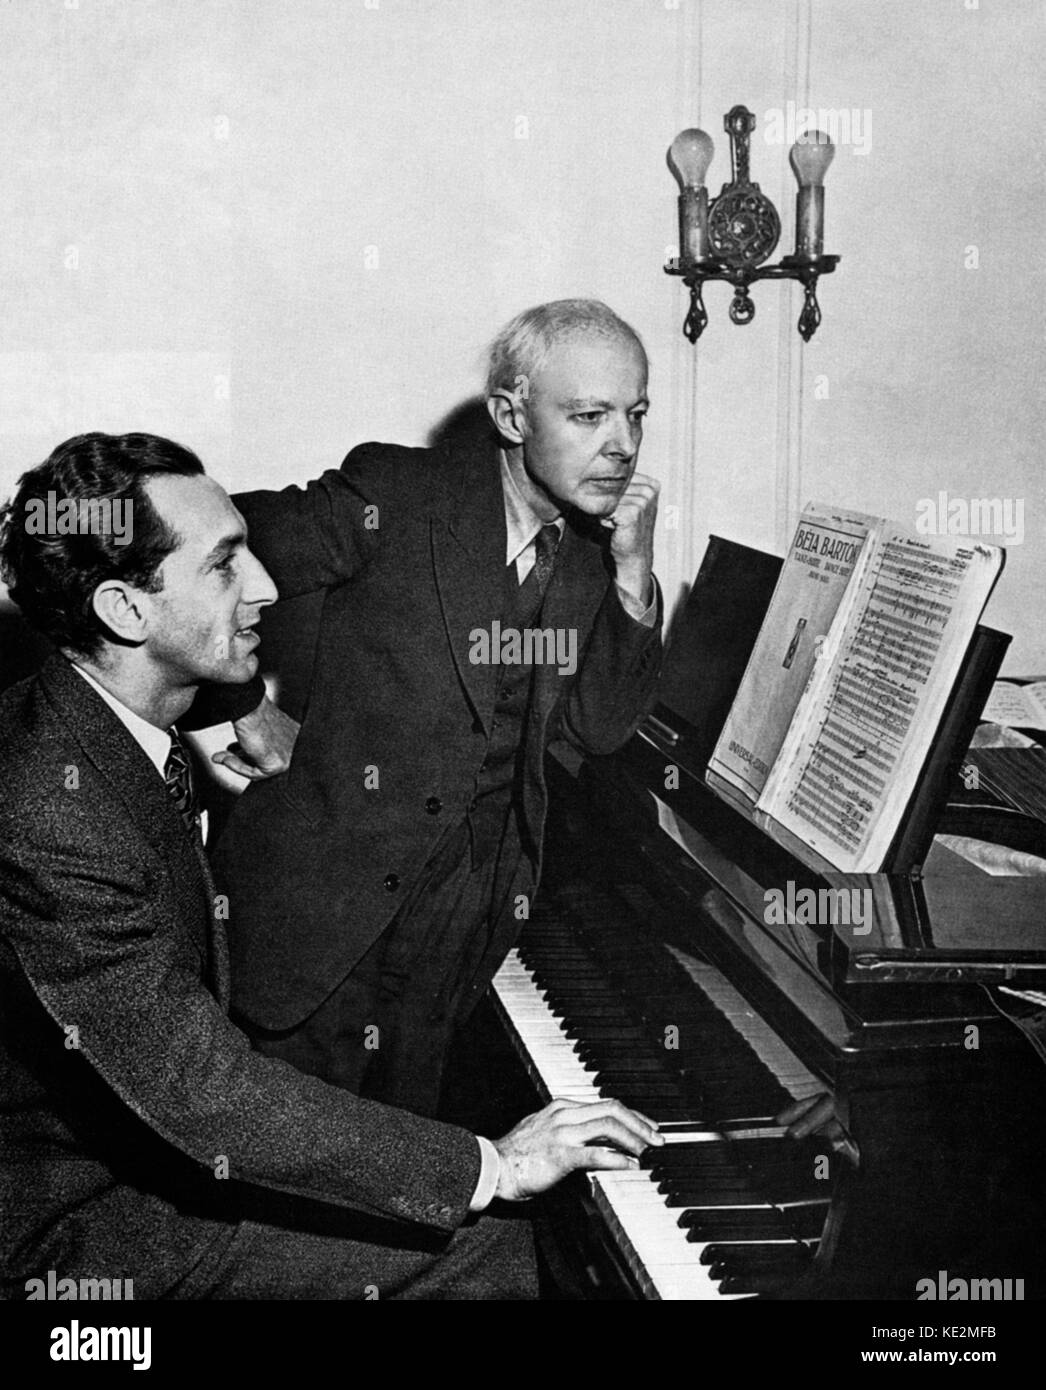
column 143, row 1139
column 479, row 599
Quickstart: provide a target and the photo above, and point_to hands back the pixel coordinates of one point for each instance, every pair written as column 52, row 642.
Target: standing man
column 143, row 1140
column 480, row 599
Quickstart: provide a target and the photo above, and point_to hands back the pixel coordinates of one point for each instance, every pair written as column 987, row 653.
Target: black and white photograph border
column 653, row 275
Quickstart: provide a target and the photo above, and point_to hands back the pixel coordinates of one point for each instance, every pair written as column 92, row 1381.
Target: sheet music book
column 848, row 680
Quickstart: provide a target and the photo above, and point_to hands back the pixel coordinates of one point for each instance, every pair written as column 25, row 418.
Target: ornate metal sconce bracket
column 740, row 230
column 742, row 308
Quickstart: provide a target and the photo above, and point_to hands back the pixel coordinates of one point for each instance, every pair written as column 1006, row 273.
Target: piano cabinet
column 644, row 974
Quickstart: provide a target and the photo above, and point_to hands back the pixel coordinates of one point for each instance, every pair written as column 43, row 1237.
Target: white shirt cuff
column 647, row 616
column 489, row 1173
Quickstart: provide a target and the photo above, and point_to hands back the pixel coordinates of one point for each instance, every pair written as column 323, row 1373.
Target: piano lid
column 709, row 644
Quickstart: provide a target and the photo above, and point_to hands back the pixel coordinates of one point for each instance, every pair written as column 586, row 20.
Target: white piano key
column 653, row 1244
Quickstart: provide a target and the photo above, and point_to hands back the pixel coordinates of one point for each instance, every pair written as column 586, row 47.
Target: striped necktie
column 177, row 775
column 532, row 589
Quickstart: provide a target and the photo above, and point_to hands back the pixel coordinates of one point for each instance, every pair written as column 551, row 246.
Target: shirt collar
column 155, row 743
column 522, row 522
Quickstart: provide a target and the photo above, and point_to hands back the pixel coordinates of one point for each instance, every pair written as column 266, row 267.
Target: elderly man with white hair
column 379, row 882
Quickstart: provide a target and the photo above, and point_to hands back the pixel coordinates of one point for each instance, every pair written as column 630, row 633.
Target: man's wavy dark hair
column 53, row 577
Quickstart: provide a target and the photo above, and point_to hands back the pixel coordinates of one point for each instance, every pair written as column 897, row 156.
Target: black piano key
column 598, row 1034
column 732, row 1256
column 691, row 1197
column 739, row 1230
column 755, row 1284
column 624, row 1063
column 705, row 1151
column 752, row 1215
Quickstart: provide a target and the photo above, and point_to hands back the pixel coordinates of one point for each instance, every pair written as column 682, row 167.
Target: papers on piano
column 1017, row 706
column 847, row 683
column 1029, row 996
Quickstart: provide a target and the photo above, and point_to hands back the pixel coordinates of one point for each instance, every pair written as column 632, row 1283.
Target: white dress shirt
column 155, row 743
column 522, row 524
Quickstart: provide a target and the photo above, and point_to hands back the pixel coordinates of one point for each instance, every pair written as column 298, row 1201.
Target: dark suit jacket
column 409, row 545
column 122, row 1081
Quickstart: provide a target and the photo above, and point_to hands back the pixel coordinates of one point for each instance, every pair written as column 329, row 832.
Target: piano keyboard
column 692, row 1224
column 797, row 1080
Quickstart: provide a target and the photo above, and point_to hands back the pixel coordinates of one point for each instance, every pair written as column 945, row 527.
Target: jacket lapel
column 133, row 782
column 468, row 552
column 468, row 556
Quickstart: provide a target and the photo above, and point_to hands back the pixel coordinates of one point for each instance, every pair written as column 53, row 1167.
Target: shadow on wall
column 469, row 420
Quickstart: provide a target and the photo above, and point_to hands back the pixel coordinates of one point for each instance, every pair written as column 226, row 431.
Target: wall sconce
column 730, row 237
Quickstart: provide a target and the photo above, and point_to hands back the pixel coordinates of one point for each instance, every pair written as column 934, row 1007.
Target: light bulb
column 810, row 157
column 689, row 156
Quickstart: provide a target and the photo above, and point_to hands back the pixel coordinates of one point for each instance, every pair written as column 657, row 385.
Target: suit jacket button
column 433, row 805
column 392, row 882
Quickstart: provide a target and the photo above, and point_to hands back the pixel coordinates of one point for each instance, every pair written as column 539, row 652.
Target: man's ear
column 509, row 416
column 122, row 609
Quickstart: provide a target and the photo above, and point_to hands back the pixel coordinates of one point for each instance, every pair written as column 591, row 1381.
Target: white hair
column 523, row 344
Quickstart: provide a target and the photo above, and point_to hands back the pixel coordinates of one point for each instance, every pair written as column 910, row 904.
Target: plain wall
column 274, row 230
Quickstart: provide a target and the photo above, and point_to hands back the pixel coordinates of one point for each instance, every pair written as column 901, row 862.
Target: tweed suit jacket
column 409, row 546
column 124, row 1087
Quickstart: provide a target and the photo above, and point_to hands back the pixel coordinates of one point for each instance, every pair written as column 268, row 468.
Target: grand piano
column 649, row 971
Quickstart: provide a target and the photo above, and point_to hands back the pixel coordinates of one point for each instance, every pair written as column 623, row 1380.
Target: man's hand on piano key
column 566, row 1136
